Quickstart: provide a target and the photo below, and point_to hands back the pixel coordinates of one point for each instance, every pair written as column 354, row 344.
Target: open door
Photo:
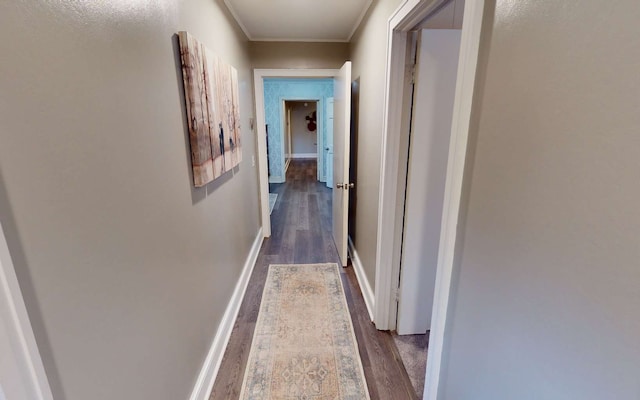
column 434, row 93
column 328, row 146
column 341, row 141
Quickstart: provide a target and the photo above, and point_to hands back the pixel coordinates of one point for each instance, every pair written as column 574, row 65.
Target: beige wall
column 368, row 54
column 125, row 268
column 546, row 300
column 298, row 54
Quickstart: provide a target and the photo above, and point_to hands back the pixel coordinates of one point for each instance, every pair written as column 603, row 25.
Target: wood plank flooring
column 301, row 234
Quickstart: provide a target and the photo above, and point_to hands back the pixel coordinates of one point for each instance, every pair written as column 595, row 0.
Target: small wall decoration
column 213, row 112
column 312, row 120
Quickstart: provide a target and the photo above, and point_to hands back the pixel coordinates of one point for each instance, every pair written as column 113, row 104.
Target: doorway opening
column 428, row 108
column 436, row 61
column 279, row 93
column 301, row 130
column 272, row 89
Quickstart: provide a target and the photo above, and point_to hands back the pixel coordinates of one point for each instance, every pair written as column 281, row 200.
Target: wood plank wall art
column 212, row 103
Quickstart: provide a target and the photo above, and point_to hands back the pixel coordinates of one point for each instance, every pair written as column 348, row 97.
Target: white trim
column 359, row 20
column 321, row 119
column 258, row 82
column 234, row 14
column 469, row 49
column 405, row 18
column 305, row 155
column 209, row 371
column 387, row 232
column 284, row 124
column 365, row 288
column 412, row 12
column 19, row 327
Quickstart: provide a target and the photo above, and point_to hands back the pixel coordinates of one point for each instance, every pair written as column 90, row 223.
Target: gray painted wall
column 126, row 269
column 546, row 299
column 298, row 54
column 369, row 57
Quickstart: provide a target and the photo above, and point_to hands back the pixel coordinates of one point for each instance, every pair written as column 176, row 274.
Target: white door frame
column 258, row 82
column 287, row 136
column 319, row 126
column 405, row 18
column 12, row 305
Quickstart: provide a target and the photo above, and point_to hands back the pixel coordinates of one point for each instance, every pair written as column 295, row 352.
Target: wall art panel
column 213, row 112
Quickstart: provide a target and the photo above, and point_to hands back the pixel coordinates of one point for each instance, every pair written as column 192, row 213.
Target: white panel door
column 22, row 375
column 329, row 143
column 429, row 148
column 341, row 139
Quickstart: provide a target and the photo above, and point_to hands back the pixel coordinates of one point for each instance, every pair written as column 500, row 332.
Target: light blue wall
column 275, row 91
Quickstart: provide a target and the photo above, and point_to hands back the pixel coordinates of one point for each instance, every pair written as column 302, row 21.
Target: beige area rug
column 304, row 346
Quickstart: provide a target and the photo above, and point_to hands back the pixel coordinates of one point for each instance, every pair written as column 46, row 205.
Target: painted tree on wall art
column 213, row 112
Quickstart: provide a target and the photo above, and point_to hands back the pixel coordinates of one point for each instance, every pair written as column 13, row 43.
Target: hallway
column 301, row 233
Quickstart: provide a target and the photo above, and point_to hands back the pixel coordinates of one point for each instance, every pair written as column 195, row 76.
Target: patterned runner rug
column 303, row 345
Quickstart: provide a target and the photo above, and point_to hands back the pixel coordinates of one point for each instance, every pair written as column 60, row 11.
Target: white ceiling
column 299, row 20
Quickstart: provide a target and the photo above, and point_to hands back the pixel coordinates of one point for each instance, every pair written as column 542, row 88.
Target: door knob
column 345, row 186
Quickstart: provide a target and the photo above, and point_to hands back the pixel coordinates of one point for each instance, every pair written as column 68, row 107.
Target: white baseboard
column 304, row 155
column 367, row 293
column 207, row 376
column 276, row 179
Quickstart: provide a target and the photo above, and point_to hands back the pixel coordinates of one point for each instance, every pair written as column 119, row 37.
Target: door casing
column 395, row 129
column 263, row 177
column 289, row 135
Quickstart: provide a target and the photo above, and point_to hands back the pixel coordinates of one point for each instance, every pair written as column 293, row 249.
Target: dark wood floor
column 301, row 233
